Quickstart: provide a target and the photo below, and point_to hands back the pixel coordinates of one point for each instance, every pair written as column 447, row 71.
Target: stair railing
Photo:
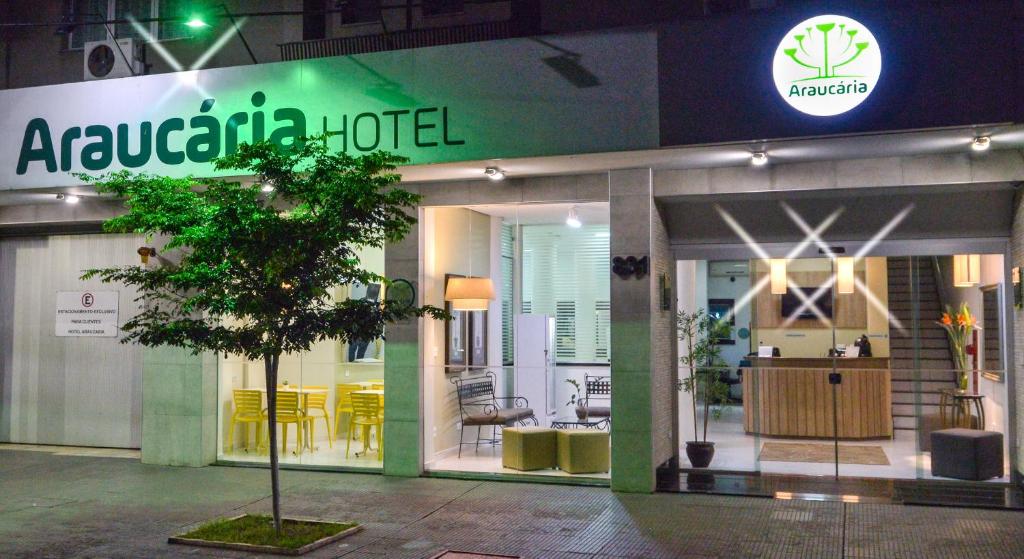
column 940, row 283
column 942, row 290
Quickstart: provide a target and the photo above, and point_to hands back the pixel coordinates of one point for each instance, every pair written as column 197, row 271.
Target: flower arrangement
column 959, row 327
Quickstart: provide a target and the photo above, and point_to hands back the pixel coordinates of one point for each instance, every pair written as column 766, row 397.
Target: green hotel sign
column 96, row 147
column 827, row 65
column 457, row 103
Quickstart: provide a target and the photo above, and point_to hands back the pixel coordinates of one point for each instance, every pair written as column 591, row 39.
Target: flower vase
column 961, row 379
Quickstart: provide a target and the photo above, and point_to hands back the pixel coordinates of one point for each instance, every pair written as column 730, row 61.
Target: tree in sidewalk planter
column 704, row 367
column 254, row 270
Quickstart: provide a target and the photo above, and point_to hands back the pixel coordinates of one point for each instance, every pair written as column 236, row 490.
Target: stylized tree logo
column 819, row 57
column 826, row 65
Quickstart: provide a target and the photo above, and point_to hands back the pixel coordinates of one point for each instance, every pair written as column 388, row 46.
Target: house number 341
column 629, row 266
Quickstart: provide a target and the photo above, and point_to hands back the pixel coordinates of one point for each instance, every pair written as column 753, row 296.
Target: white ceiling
column 895, row 144
column 591, row 213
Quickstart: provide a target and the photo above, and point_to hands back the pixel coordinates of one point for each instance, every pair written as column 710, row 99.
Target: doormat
column 470, row 555
column 823, row 453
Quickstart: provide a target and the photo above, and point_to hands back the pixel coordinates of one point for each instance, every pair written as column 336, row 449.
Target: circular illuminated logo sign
column 827, row 65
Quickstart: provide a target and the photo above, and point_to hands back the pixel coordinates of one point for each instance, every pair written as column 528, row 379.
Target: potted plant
column 577, row 399
column 959, row 327
column 704, row 365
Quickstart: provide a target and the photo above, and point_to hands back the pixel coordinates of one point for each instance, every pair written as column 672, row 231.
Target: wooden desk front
column 793, row 398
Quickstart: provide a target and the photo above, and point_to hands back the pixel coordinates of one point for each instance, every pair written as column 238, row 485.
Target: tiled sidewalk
column 78, row 506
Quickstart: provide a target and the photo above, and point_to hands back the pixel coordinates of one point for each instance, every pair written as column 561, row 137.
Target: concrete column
column 179, row 407
column 403, row 386
column 643, row 348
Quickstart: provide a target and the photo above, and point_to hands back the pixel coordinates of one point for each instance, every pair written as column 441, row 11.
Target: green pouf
column 528, row 448
column 583, row 451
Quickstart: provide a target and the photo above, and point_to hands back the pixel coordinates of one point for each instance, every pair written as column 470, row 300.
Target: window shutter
column 566, row 275
column 507, row 256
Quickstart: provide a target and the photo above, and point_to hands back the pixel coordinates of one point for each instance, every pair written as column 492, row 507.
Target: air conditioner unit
column 113, row 59
column 728, row 268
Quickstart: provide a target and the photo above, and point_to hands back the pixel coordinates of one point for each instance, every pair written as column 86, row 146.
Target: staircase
column 936, row 363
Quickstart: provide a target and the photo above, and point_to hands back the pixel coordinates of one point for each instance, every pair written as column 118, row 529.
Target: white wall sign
column 433, row 105
column 827, row 65
column 87, row 314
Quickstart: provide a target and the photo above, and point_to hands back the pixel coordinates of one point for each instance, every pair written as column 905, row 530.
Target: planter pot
column 582, row 412
column 700, row 453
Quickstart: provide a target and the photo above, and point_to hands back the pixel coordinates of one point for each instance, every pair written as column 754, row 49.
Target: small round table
column 959, row 404
column 574, row 422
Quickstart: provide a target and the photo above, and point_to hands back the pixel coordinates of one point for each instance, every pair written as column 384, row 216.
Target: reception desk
column 791, row 397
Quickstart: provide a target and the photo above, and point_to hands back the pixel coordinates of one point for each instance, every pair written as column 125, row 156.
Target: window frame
column 425, row 15
column 110, row 30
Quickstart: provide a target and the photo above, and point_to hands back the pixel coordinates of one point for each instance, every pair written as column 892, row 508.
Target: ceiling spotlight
column 759, row 158
column 573, row 220
column 267, row 187
column 494, row 173
column 69, row 198
column 195, row 22
column 981, row 143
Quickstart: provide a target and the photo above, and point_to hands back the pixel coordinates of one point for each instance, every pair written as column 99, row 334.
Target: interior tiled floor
column 488, row 460
column 737, row 451
column 323, row 454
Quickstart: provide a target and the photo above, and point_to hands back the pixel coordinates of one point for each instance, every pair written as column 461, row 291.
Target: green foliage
column 258, row 529
column 704, row 364
column 251, row 273
column 578, row 396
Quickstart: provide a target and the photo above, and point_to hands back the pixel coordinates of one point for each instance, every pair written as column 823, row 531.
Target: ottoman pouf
column 967, row 454
column 528, row 448
column 583, row 451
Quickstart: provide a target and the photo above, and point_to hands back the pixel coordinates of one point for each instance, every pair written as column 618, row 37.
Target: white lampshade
column 844, row 274
column 469, row 305
column 778, row 275
column 469, row 294
column 966, row 270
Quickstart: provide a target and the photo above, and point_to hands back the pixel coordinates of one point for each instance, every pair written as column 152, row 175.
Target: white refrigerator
column 535, row 363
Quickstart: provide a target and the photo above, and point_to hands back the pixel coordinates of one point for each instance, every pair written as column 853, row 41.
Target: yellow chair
column 367, row 412
column 377, row 386
column 289, row 411
column 317, row 401
column 248, row 409
column 343, row 404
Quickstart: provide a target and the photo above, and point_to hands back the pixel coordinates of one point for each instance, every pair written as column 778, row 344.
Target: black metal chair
column 597, row 388
column 478, row 406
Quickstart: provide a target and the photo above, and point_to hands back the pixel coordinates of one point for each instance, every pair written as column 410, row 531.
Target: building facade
column 825, row 178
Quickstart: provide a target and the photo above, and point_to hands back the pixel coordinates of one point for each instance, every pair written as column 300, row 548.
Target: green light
column 196, row 23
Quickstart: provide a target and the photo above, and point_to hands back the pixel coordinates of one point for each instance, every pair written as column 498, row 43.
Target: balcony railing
column 416, row 38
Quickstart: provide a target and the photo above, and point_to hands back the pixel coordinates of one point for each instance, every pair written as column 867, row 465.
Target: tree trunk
column 270, row 366
column 693, row 385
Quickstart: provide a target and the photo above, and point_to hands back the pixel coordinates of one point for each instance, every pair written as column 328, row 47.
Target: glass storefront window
column 320, row 391
column 502, row 386
column 865, row 359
